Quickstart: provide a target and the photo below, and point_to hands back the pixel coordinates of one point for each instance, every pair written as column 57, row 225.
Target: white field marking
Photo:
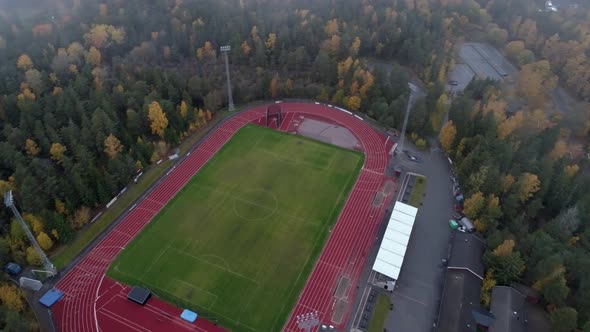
column 148, row 210
column 221, row 315
column 88, row 273
column 215, row 296
column 296, row 162
column 218, row 257
column 226, row 194
column 153, row 200
column 125, row 321
column 106, row 303
column 218, row 266
column 247, row 303
column 122, row 233
column 290, row 220
column 155, row 261
column 372, row 171
column 272, row 212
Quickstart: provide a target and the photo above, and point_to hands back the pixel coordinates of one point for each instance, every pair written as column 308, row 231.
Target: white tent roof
column 395, row 240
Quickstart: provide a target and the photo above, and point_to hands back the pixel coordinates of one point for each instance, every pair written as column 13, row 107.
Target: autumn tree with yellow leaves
column 44, row 241
column 24, row 63
column 102, row 35
column 535, row 82
column 183, row 109
column 112, row 146
column 273, row 87
column 447, row 136
column 11, row 297
column 474, row 205
column 31, row 147
column 207, row 52
column 93, row 57
column 355, row 47
column 158, row 119
column 353, row 103
column 529, row 184
column 271, row 41
column 57, row 152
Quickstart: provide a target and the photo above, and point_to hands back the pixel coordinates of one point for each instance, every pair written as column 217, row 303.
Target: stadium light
column 230, row 101
column 9, row 202
column 413, row 90
column 308, row 321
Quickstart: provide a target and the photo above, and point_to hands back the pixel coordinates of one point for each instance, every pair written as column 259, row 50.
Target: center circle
column 255, row 204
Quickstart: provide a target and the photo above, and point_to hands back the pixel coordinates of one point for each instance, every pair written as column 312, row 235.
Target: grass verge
column 416, row 196
column 380, row 314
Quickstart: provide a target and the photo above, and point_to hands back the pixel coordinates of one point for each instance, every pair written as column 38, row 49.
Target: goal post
column 275, row 112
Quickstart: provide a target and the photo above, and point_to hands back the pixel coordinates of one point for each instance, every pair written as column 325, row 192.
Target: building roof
column 461, row 296
column 51, row 297
column 395, row 240
column 514, row 314
column 507, row 305
column 139, row 295
column 467, row 252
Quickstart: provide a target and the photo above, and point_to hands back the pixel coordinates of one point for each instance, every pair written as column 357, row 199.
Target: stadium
column 267, row 221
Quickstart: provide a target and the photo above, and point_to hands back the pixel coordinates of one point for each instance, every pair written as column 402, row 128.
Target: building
column 460, row 309
column 516, row 310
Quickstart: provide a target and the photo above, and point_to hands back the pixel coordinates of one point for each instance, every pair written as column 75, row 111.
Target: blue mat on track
column 189, row 316
column 53, row 295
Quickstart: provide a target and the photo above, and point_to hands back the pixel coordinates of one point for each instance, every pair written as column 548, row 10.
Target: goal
column 274, row 115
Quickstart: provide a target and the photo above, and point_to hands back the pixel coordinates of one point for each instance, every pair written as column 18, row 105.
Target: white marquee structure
column 395, row 240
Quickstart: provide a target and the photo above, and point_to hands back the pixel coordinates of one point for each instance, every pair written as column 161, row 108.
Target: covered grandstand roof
column 395, row 240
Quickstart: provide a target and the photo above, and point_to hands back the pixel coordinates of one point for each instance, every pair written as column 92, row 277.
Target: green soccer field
column 240, row 239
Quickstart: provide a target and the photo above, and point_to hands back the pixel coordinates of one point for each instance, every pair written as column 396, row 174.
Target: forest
column 528, row 197
column 91, row 92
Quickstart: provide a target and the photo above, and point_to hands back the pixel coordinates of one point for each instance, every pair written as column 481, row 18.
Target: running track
column 93, row 302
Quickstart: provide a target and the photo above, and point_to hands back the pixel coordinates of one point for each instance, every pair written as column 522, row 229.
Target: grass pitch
column 238, row 242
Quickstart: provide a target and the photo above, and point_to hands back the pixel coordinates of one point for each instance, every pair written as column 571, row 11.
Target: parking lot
column 479, row 60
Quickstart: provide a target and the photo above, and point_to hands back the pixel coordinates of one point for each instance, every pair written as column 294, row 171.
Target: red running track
column 93, row 302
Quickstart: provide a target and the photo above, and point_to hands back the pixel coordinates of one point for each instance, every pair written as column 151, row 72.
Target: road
column 418, row 291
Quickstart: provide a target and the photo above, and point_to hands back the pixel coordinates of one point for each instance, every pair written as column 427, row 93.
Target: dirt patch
column 342, row 287
column 378, row 200
column 339, row 311
column 388, row 187
column 327, row 132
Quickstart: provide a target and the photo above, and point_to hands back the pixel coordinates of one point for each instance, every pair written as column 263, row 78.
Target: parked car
column 458, row 208
column 453, row 224
column 12, row 268
column 458, row 215
column 415, row 159
column 453, row 83
column 467, row 224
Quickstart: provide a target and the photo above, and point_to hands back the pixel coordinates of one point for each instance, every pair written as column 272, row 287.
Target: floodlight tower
column 413, row 90
column 9, row 202
column 230, row 102
column 307, row 322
